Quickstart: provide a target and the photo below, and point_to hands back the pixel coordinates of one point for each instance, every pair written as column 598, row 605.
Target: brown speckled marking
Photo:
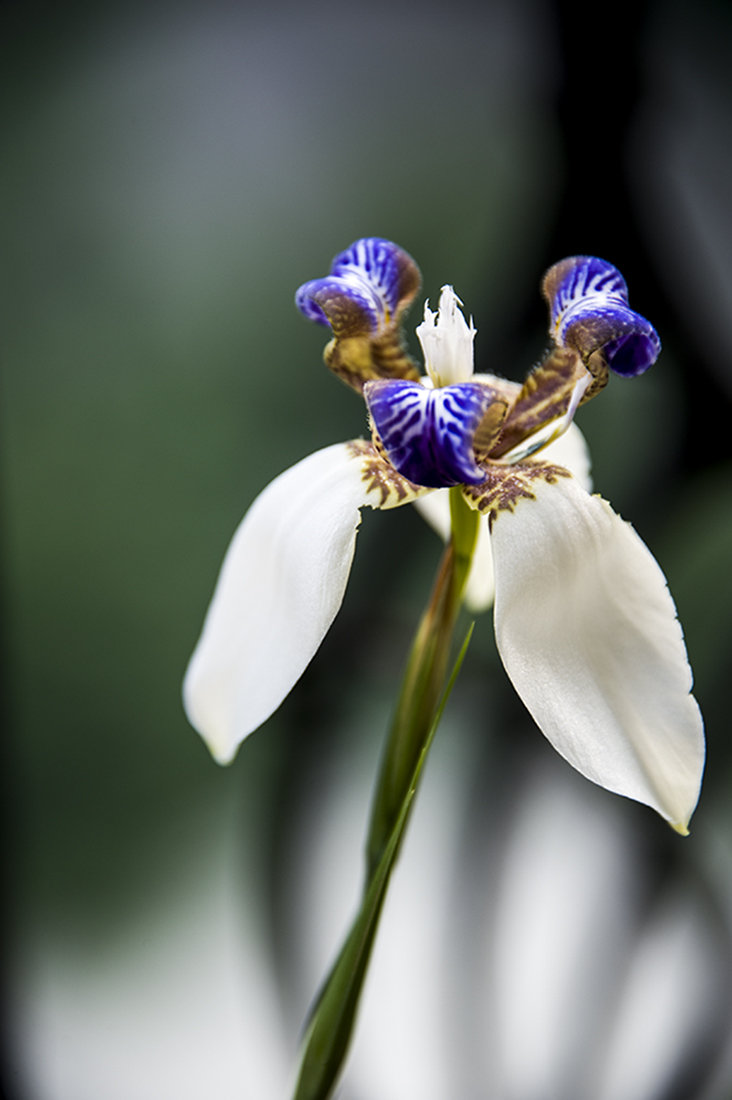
column 381, row 477
column 506, row 485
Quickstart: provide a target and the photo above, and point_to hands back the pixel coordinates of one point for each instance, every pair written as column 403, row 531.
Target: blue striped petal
column 369, row 284
column 345, row 302
column 428, row 434
column 589, row 311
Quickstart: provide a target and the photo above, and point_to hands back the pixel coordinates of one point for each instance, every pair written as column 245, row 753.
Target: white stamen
column 447, row 341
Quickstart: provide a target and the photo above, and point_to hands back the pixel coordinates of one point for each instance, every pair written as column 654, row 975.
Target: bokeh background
column 171, row 173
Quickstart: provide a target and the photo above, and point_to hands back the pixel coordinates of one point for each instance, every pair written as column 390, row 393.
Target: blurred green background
column 171, row 175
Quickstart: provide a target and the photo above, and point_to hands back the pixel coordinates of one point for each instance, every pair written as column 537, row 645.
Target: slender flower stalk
column 424, row 677
column 423, row 696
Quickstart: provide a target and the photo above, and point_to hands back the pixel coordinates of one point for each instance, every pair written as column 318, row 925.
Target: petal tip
column 222, row 757
column 202, row 712
column 369, row 285
column 588, row 307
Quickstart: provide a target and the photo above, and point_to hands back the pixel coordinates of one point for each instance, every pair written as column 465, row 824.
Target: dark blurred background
column 171, row 174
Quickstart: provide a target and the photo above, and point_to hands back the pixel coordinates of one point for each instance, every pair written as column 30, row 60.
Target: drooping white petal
column 588, row 634
column 280, row 587
column 569, row 450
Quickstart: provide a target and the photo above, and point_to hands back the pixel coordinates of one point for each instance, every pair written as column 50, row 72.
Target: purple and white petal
column 280, row 587
column 428, row 433
column 387, row 268
column 348, row 304
column 369, row 285
column 589, row 311
column 587, row 631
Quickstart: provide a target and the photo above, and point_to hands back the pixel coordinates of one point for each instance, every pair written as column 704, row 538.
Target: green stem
column 333, row 1017
column 424, row 692
column 423, row 680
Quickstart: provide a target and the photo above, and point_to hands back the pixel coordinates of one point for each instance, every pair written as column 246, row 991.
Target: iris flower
column 584, row 622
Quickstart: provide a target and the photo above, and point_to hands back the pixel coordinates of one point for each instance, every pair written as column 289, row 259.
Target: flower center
column 447, row 341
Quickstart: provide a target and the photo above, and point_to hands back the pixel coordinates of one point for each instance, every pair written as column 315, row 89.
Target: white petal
column 280, row 587
column 570, row 450
column 588, row 633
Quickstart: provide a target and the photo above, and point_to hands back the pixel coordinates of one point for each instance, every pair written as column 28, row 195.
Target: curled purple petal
column 428, row 434
column 369, row 285
column 589, row 311
column 390, row 271
column 349, row 305
column 307, row 302
column 634, row 352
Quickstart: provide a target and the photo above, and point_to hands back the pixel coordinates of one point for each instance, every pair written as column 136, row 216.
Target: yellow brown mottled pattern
column 382, row 479
column 546, row 394
column 505, row 486
column 490, row 427
column 365, row 357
